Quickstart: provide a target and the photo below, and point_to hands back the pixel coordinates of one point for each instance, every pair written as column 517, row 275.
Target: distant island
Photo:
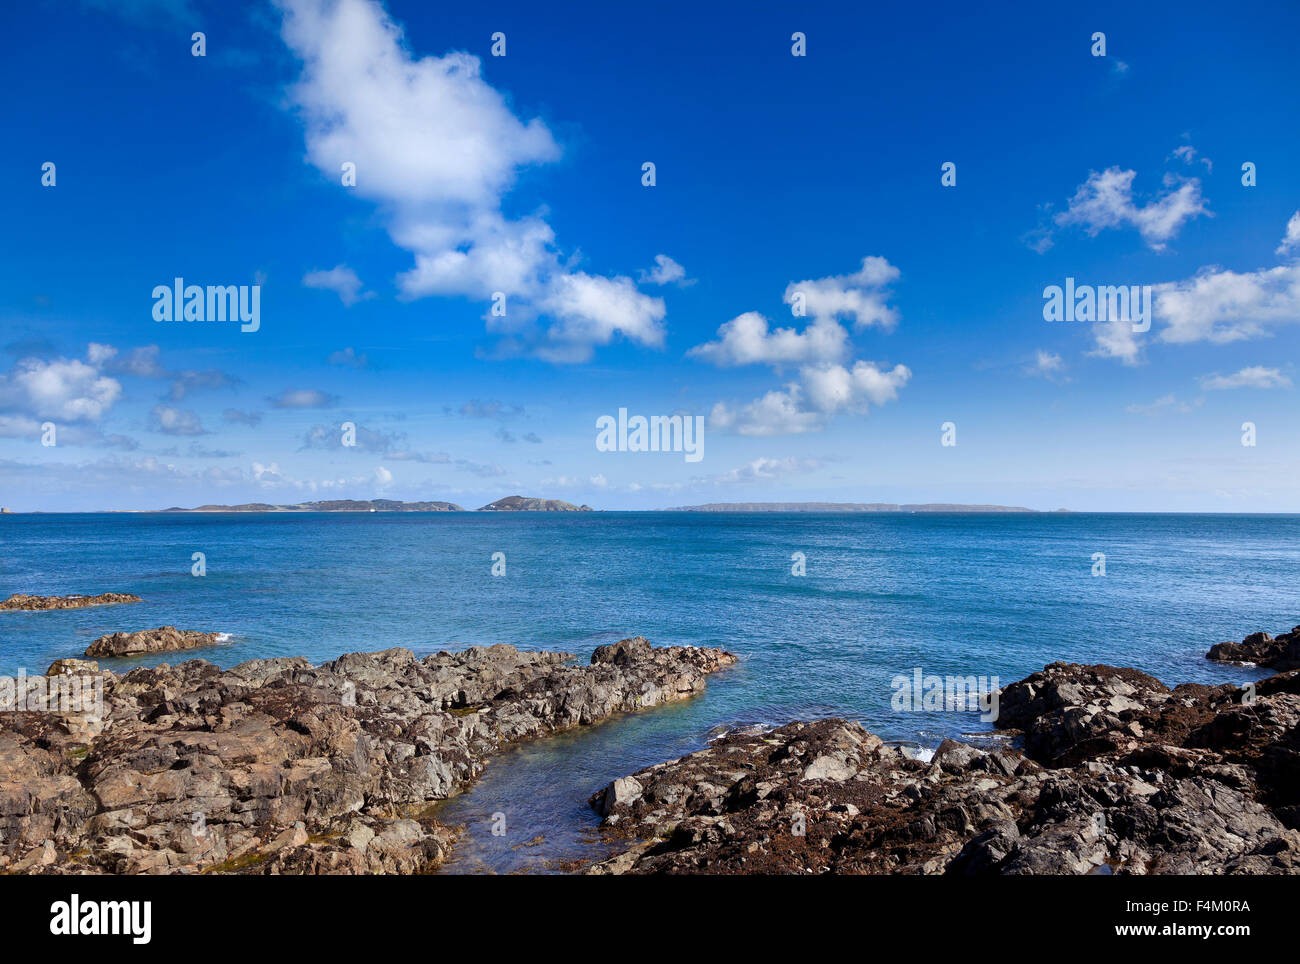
column 519, row 503
column 845, row 507
column 330, row 505
column 512, row 503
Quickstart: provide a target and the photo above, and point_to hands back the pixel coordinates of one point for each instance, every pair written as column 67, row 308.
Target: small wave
column 224, row 637
column 745, row 729
column 912, row 749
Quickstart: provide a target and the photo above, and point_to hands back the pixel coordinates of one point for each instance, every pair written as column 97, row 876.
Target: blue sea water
column 952, row 594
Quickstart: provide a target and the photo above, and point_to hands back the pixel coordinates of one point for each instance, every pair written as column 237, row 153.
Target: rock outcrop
column 1117, row 774
column 519, row 503
column 21, row 600
column 1261, row 649
column 164, row 639
column 277, row 766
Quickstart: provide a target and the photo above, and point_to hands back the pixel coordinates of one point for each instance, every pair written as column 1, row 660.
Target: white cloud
column 1105, row 201
column 349, row 357
column 1117, row 340
column 1046, row 364
column 1165, row 403
column 666, row 271
column 765, row 469
column 746, row 340
column 302, row 398
column 1255, row 376
column 1189, row 155
column 860, row 296
column 807, row 405
column 1218, row 305
column 141, row 362
column 438, row 148
column 826, row 385
column 776, row 413
column 175, row 421
column 1291, row 241
column 341, row 280
column 590, row 310
column 834, row 388
column 62, row 389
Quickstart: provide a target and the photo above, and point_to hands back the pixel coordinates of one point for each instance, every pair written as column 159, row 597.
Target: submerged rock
column 164, row 639
column 277, row 766
column 1261, row 649
column 20, row 600
column 1116, row 771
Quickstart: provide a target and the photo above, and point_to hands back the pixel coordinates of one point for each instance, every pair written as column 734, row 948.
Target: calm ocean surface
column 983, row 595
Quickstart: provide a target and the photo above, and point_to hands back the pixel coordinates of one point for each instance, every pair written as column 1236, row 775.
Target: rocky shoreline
column 277, row 766
column 1114, row 773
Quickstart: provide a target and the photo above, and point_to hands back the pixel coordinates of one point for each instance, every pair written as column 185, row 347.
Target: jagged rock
column 276, row 766
column 164, row 639
column 622, row 792
column 1123, row 776
column 72, row 667
column 21, row 600
column 1261, row 649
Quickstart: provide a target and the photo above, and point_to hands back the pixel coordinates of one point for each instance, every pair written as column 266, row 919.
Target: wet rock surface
column 1282, row 653
column 277, row 766
column 25, row 601
column 1116, row 773
column 164, row 639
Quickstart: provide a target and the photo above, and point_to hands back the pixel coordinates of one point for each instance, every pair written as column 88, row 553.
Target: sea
column 827, row 612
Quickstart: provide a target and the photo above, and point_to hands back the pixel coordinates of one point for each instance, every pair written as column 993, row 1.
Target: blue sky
column 775, row 176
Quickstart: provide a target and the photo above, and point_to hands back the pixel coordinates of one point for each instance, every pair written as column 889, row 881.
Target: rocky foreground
column 278, row 766
column 1118, row 774
column 26, row 601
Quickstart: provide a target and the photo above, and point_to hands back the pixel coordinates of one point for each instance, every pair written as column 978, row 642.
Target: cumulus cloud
column 666, row 272
column 438, row 149
column 746, row 340
column 827, row 382
column 302, row 398
column 365, row 439
column 1046, row 364
column 1218, row 305
column 175, row 421
column 341, row 280
column 1106, row 201
column 808, row 404
column 764, row 469
column 1117, row 340
column 348, row 357
column 1291, row 240
column 143, row 362
column 1255, row 376
column 236, row 416
column 860, row 296
column 63, row 389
